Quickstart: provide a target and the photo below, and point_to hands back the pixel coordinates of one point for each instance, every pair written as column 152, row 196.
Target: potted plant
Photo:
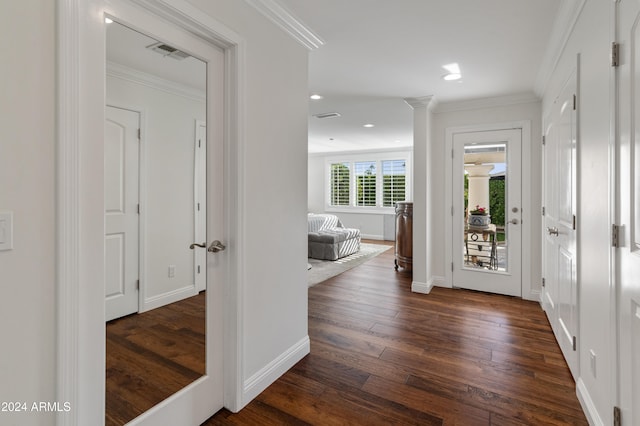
column 479, row 217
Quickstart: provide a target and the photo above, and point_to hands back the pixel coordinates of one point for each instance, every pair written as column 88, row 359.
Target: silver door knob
column 553, row 231
column 514, row 221
column 216, row 246
column 194, row 245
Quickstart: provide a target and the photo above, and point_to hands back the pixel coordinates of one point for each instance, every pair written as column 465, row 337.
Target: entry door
column 628, row 212
column 559, row 292
column 121, row 152
column 487, row 174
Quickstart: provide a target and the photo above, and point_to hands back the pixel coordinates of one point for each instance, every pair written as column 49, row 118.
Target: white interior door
column 200, row 208
column 559, row 292
column 121, row 151
column 488, row 258
column 628, row 212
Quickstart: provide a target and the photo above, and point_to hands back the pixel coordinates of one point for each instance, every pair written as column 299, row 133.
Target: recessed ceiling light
column 315, row 97
column 369, row 125
column 108, row 20
column 452, row 76
column 453, row 72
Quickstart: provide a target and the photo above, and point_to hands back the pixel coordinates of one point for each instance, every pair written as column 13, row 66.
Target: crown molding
column 499, row 101
column 138, row 77
column 284, row 19
column 568, row 13
column 421, row 102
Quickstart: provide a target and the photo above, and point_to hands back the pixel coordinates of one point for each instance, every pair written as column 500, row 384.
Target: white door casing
column 560, row 292
column 121, row 152
column 504, row 282
column 627, row 255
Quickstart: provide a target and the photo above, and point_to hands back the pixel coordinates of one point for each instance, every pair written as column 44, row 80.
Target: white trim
column 131, row 75
column 257, row 383
column 422, row 288
column 566, row 19
column 372, row 236
column 498, row 101
column 176, row 295
column 419, row 102
column 589, row 408
column 68, row 378
column 361, row 152
column 285, row 20
column 527, row 218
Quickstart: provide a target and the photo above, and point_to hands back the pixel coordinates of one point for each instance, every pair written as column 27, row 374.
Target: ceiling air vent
column 166, row 50
column 327, row 115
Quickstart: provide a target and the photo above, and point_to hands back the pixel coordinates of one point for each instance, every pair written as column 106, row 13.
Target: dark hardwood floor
column 382, row 355
column 150, row 356
column 379, row 355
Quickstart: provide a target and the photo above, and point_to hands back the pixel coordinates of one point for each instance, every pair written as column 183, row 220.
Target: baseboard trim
column 423, row 288
column 255, row 384
column 372, row 237
column 169, row 297
column 589, row 408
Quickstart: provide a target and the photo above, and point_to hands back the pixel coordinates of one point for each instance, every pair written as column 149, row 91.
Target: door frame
column 528, row 292
column 79, row 197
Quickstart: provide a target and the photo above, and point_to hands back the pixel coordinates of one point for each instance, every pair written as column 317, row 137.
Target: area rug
column 322, row 270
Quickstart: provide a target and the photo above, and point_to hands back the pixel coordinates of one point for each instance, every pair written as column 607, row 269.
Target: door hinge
column 544, row 282
column 198, row 268
column 615, row 236
column 544, row 140
column 199, row 143
column 575, row 102
column 574, row 222
column 139, row 133
column 451, row 266
column 138, row 208
column 617, row 416
column 615, row 54
column 575, row 343
column 137, row 284
column 544, row 211
column 451, row 210
column 198, row 206
column 451, row 152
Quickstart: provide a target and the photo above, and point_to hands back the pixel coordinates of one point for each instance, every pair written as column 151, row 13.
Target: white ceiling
column 378, row 52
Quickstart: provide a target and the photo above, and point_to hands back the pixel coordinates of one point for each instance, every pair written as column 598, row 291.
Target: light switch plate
column 6, row 230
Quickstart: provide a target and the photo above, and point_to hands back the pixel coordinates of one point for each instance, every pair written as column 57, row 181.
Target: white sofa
column 329, row 239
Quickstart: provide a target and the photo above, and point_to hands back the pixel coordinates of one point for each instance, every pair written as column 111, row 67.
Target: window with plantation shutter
column 394, row 173
column 366, row 183
column 340, row 184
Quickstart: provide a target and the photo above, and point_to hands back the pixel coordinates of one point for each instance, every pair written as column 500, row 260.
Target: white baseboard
column 423, row 288
column 589, row 408
column 272, row 371
column 372, row 237
column 437, row 281
column 169, row 297
column 534, row 296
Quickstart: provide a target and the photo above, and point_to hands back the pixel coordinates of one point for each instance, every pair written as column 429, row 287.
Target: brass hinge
column 575, row 343
column 617, row 416
column 615, row 236
column 615, row 54
column 544, row 282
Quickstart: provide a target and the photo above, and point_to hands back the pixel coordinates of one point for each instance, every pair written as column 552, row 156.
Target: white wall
column 371, row 225
column 591, row 40
column 169, row 132
column 27, row 179
column 510, row 109
column 274, row 315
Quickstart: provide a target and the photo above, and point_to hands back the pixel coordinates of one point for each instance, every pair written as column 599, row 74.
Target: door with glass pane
column 487, row 211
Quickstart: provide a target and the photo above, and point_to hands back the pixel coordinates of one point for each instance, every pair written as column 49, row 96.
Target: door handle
column 514, row 221
column 194, row 245
column 216, row 246
column 553, row 231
